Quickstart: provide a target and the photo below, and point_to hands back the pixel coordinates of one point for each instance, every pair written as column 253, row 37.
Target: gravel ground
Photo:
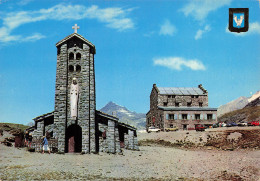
column 150, row 163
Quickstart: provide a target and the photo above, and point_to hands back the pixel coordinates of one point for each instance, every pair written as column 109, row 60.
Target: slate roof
column 100, row 113
column 106, row 115
column 40, row 118
column 187, row 108
column 180, row 91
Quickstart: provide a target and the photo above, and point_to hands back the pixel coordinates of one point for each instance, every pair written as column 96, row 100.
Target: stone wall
column 60, row 118
column 153, row 118
column 111, row 137
column 39, row 132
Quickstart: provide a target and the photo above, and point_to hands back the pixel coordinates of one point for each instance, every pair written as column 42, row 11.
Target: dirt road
column 150, row 163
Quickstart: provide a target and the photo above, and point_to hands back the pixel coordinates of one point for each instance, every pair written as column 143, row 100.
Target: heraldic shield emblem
column 238, row 19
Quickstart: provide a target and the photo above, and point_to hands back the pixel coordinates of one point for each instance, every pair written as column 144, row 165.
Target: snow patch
column 255, row 96
column 125, row 112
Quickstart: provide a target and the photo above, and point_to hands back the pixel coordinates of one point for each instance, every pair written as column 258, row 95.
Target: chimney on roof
column 202, row 88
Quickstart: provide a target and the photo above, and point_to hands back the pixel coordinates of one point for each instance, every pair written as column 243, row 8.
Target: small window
column 78, row 56
column 173, row 96
column 71, row 56
column 58, row 51
column 209, row 116
column 200, row 104
column 197, row 116
column 177, row 104
column 71, row 68
column 184, row 116
column 171, row 116
column 169, row 96
column 192, row 96
column 196, row 96
column 78, row 68
column 165, row 104
column 189, row 104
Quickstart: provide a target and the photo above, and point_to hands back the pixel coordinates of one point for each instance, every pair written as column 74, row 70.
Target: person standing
column 30, row 139
column 45, row 146
column 26, row 138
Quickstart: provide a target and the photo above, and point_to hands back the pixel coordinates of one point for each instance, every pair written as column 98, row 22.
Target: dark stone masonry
column 75, row 123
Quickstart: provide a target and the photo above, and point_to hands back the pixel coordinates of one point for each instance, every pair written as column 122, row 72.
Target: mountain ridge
column 237, row 104
column 132, row 118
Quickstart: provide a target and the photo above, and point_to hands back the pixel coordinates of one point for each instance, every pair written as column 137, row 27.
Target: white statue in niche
column 74, row 96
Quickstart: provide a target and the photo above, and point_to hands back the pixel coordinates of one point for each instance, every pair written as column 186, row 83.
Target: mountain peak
column 124, row 115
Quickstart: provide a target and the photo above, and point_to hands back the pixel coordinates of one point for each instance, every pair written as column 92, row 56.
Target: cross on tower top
column 76, row 27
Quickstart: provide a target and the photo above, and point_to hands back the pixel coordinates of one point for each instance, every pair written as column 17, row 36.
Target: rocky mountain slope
column 253, row 103
column 237, row 104
column 251, row 112
column 126, row 116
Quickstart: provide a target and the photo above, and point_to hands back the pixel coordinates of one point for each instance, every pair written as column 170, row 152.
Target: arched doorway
column 73, row 139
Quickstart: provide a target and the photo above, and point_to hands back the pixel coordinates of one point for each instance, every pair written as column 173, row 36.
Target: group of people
column 28, row 142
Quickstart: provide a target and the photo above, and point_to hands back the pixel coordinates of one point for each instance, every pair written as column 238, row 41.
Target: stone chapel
column 75, row 123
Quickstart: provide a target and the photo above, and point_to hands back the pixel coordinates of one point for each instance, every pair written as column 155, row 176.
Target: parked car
column 172, row 129
column 223, row 125
column 199, row 127
column 242, row 124
column 216, row 125
column 229, row 125
column 253, row 123
column 233, row 124
column 153, row 129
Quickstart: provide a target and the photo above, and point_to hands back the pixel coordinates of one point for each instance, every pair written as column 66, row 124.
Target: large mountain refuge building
column 181, row 107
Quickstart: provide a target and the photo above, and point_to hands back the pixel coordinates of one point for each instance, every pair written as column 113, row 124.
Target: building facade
column 75, row 123
column 181, row 107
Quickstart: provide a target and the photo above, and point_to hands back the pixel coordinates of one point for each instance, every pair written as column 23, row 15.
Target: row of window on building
column 191, row 116
column 178, row 104
column 192, row 96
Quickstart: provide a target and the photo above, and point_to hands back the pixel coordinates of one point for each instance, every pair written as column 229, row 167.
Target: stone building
column 181, row 107
column 75, row 122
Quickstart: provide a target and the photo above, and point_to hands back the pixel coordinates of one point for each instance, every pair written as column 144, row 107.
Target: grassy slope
column 12, row 126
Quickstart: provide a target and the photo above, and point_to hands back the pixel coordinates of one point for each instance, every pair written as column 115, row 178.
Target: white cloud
column 200, row 9
column 34, row 37
column 201, row 32
column 24, row 2
column 167, row 28
column 177, row 63
column 113, row 18
column 149, row 34
column 254, row 28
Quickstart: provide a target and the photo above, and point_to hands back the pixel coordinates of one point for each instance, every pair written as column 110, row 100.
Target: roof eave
column 78, row 36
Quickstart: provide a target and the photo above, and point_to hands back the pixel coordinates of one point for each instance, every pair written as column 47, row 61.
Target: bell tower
column 75, row 99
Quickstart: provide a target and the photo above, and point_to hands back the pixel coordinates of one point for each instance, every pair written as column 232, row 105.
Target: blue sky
column 170, row 43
